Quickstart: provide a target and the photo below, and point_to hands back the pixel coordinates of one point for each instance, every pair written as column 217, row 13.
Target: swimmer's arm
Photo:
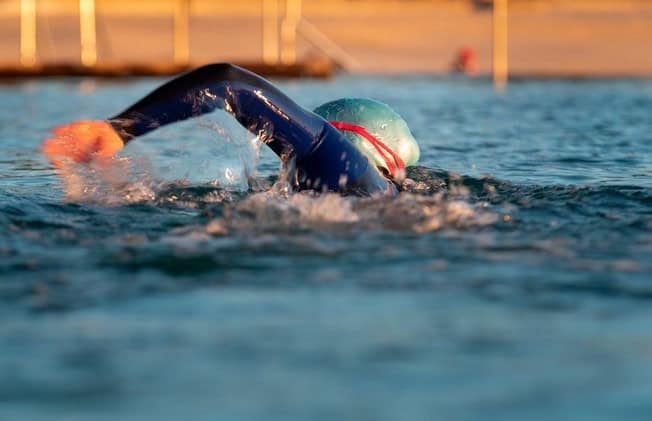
column 257, row 105
column 322, row 154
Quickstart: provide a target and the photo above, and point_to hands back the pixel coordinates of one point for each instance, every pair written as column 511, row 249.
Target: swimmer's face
column 380, row 121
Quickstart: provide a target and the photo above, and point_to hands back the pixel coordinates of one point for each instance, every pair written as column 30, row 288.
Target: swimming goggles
column 385, row 151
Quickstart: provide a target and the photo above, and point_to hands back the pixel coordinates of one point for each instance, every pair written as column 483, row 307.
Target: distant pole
column 181, row 35
column 500, row 62
column 289, row 31
column 87, row 32
column 28, row 33
column 270, row 31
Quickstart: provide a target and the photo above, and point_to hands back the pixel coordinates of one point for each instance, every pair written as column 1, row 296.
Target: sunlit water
column 512, row 280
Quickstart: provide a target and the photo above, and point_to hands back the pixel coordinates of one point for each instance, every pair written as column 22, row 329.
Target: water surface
column 511, row 280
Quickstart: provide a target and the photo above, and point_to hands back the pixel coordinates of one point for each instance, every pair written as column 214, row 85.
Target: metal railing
column 279, row 41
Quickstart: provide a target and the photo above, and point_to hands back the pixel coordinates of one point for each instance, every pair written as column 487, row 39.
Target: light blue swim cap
column 380, row 121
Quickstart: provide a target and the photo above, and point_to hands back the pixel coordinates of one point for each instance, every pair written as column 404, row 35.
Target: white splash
column 408, row 212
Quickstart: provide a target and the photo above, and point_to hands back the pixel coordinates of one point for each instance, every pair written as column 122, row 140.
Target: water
column 512, row 281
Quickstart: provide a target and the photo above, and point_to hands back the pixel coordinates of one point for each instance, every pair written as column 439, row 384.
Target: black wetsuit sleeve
column 324, row 158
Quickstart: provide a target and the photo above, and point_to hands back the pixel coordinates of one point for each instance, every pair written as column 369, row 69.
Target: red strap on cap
column 382, row 149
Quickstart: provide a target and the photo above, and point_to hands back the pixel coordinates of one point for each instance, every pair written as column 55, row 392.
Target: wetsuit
column 324, row 158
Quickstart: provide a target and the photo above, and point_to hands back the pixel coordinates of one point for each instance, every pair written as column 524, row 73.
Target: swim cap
column 380, row 121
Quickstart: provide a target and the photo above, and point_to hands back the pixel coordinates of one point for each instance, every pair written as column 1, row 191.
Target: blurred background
column 512, row 284
column 542, row 38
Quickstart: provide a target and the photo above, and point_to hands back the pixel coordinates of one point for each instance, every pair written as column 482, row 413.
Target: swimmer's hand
column 82, row 141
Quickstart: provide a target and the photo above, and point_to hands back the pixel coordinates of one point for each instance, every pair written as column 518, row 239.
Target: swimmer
column 353, row 146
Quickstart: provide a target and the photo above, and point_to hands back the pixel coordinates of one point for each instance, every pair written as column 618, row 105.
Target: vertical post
column 181, row 36
column 270, row 31
column 289, row 31
column 87, row 32
column 28, row 32
column 500, row 62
